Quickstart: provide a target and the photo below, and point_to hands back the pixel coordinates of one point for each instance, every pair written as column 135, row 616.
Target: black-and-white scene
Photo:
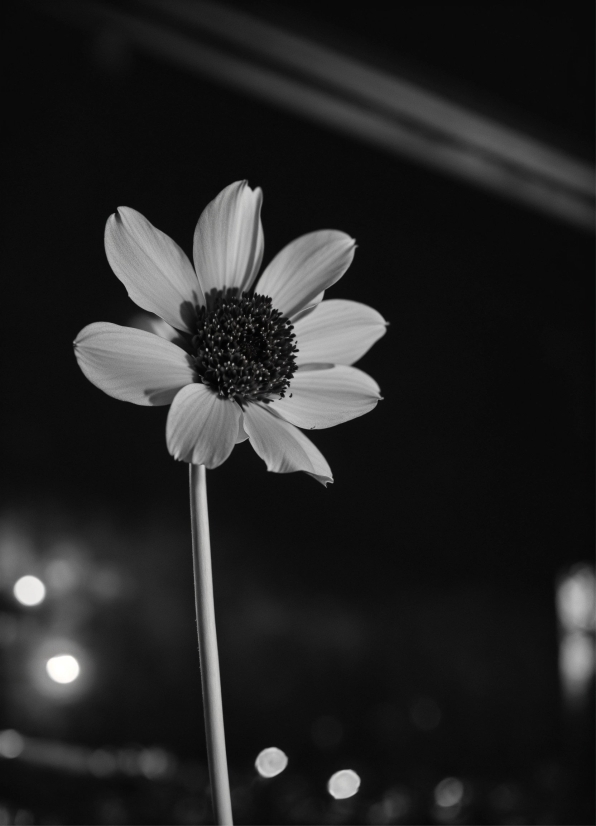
column 296, row 524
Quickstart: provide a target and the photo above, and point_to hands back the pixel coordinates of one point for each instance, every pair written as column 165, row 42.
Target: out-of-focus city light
column 576, row 603
column 63, row 669
column 425, row 713
column 342, row 784
column 29, row 590
column 11, row 743
column 449, row 792
column 155, row 763
column 576, row 659
column 271, row 762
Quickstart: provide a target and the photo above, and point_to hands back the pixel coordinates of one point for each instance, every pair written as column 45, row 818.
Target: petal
column 228, row 243
column 132, row 365
column 324, row 398
column 156, row 273
column 308, row 310
column 202, row 427
column 304, row 268
column 337, row 331
column 156, row 325
column 283, row 448
column 242, row 434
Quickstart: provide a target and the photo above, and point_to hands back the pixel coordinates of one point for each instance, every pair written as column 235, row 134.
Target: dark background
column 426, row 573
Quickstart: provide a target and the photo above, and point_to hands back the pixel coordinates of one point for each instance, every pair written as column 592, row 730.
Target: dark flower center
column 244, row 349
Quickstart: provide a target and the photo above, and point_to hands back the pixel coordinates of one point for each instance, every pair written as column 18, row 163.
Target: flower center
column 244, row 348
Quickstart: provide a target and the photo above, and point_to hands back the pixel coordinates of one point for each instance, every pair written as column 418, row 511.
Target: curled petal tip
column 116, row 216
column 324, row 480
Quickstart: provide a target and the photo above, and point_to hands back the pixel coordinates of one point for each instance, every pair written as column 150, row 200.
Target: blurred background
column 428, row 620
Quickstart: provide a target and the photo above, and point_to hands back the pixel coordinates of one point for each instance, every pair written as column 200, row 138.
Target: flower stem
column 214, row 725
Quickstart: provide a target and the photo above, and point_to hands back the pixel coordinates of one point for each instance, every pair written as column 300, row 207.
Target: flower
column 236, row 360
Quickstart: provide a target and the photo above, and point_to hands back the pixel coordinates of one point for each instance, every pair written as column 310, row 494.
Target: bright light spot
column 29, row 590
column 326, row 732
column 576, row 658
column 449, row 792
column 11, row 743
column 576, row 599
column 154, row 763
column 425, row 713
column 271, row 762
column 342, row 784
column 63, row 669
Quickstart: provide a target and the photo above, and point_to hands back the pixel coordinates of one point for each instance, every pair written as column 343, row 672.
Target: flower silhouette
column 236, row 360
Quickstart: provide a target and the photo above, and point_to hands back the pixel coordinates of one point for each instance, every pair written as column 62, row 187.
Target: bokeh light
column 342, row 784
column 576, row 658
column 155, row 763
column 11, row 743
column 449, row 792
column 63, row 669
column 29, row 590
column 270, row 762
column 576, row 601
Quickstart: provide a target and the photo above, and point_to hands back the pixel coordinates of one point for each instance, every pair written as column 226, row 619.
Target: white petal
column 337, row 331
column 304, row 268
column 202, row 427
column 242, row 434
column 308, row 310
column 228, row 242
column 156, row 273
column 132, row 365
column 156, row 325
column 283, row 448
column 324, row 398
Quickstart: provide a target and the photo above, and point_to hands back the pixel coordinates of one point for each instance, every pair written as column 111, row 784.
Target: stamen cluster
column 244, row 348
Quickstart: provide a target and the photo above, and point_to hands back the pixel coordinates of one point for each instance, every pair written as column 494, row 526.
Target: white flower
column 236, row 360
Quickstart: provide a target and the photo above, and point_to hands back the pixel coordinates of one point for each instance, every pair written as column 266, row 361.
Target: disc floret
column 244, row 349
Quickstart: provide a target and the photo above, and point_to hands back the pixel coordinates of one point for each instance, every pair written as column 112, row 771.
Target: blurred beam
column 330, row 88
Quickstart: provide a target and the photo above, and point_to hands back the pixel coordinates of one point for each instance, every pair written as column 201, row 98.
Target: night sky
column 428, row 567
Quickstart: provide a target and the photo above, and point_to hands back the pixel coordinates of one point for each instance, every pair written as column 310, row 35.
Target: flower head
column 235, row 359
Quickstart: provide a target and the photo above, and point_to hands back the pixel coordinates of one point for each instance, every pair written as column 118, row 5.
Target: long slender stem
column 214, row 725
